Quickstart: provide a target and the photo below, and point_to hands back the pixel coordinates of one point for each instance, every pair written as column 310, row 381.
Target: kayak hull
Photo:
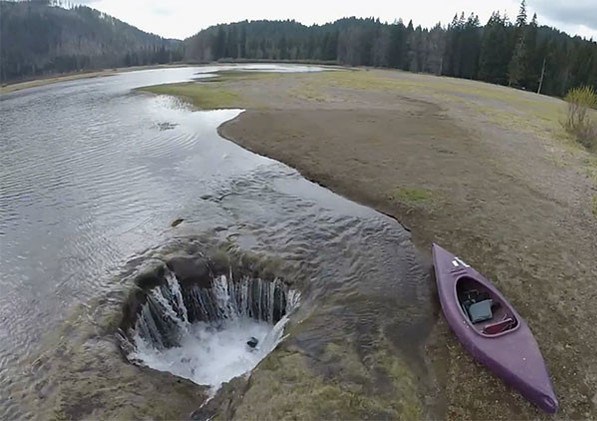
column 513, row 354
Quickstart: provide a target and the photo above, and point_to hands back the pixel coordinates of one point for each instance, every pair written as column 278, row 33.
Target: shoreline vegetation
column 484, row 170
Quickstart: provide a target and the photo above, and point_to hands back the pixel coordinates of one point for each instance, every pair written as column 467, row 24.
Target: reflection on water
column 92, row 175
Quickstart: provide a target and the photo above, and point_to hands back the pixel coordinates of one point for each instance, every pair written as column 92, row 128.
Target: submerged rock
column 166, row 126
column 177, row 222
column 253, row 342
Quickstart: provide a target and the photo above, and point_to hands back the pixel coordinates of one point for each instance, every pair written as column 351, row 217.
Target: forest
column 519, row 53
column 41, row 37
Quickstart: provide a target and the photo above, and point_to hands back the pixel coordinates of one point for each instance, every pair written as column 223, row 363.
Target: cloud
column 571, row 12
column 161, row 11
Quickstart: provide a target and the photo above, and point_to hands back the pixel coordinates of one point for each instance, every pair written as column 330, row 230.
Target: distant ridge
column 38, row 38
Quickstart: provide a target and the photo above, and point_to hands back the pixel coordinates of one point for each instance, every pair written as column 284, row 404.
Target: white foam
column 211, row 354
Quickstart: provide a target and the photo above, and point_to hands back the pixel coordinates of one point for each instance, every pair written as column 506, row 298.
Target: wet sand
column 484, row 171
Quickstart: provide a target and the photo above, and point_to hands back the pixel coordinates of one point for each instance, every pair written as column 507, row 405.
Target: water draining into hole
column 208, row 335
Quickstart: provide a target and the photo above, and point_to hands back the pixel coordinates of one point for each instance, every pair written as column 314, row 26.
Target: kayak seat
column 499, row 327
column 480, row 311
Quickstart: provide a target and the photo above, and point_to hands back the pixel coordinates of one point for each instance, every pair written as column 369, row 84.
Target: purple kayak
column 491, row 330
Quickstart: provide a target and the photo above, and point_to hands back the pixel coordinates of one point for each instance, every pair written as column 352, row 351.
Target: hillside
column 39, row 39
column 501, row 52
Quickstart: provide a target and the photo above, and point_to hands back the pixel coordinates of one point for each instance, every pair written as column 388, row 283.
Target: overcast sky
column 183, row 18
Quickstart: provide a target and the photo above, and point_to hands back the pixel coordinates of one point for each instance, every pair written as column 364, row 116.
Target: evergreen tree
column 533, row 62
column 42, row 38
column 408, row 50
column 398, row 53
column 517, row 66
column 470, row 45
column 495, row 51
column 435, row 46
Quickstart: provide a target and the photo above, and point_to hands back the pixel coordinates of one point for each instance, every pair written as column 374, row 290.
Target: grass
column 595, row 206
column 591, row 167
column 286, row 386
column 578, row 122
column 309, row 93
column 232, row 75
column 411, row 196
column 212, row 93
column 535, row 113
column 201, row 95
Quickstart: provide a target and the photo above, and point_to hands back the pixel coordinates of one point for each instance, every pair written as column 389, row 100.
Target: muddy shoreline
column 478, row 175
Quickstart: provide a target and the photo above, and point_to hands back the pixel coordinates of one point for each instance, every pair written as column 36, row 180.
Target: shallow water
column 91, row 177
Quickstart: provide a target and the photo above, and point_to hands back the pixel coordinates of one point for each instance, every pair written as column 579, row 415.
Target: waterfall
column 202, row 333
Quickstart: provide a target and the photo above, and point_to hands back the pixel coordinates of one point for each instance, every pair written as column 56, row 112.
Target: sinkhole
column 210, row 331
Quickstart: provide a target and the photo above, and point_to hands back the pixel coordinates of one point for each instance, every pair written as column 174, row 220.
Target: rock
column 176, row 222
column 166, row 126
column 253, row 342
column 147, row 279
column 151, row 277
column 191, row 269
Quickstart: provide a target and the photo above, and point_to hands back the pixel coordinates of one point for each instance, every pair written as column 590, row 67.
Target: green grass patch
column 410, row 82
column 239, row 75
column 201, row 95
column 309, row 93
column 411, row 196
column 595, row 206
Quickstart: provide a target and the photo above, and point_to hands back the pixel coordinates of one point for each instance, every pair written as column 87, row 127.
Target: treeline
column 41, row 37
column 520, row 53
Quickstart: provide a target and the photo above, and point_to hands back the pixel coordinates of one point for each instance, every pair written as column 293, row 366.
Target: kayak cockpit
column 485, row 311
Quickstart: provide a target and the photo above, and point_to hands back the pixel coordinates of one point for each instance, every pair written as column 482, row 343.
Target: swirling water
column 92, row 174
